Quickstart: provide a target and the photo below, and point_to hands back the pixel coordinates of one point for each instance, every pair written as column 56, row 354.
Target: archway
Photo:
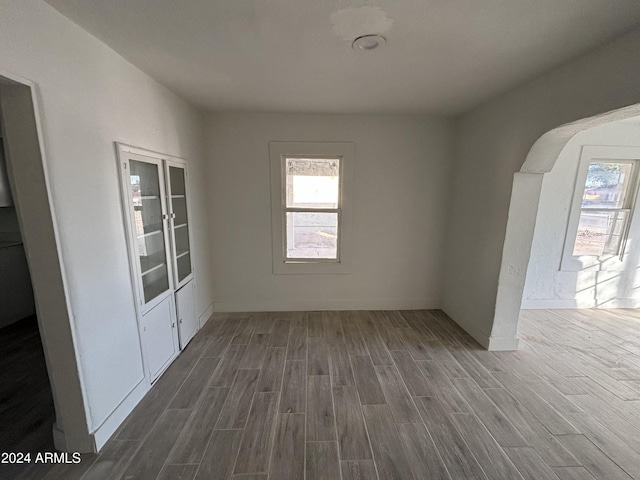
column 523, row 209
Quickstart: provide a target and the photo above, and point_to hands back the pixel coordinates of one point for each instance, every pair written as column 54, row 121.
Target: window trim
column 278, row 152
column 590, row 154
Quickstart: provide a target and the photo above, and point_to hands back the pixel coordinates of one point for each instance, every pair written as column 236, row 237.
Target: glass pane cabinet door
column 177, row 183
column 148, row 228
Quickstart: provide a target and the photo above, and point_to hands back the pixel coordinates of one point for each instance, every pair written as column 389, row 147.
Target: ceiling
column 441, row 56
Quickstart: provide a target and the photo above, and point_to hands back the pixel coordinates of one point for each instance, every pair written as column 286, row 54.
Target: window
column 310, row 217
column 605, row 208
column 312, row 208
column 604, row 199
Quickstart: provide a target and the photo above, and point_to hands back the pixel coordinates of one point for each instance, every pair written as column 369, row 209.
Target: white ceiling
column 442, row 56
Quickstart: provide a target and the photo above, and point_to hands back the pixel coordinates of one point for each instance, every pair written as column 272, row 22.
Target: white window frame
column 590, row 154
column 278, row 153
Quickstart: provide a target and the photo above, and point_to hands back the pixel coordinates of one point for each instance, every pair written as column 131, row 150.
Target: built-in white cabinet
column 155, row 205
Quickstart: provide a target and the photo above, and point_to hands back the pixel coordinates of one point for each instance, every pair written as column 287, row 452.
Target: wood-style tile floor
column 26, row 402
column 388, row 396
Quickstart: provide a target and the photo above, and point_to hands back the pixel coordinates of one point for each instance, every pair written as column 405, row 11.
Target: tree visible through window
column 605, row 209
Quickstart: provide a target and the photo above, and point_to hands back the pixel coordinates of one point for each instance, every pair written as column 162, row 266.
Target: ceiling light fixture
column 369, row 42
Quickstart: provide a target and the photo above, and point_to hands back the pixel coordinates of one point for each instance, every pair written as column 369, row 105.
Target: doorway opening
column 42, row 397
column 525, row 217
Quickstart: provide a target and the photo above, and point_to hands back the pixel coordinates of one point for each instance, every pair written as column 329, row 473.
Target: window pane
column 312, row 235
column 600, row 233
column 607, row 185
column 149, row 229
column 312, row 182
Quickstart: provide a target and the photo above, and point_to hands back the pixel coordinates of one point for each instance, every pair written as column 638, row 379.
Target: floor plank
column 358, row 470
column 294, row 387
column 320, row 418
column 272, row 371
column 195, row 383
column 255, row 448
column 340, row 365
column 493, row 460
column 178, row 472
column 287, row 460
column 219, row 456
column 536, row 435
column 424, row 458
column 352, row 435
column 389, row 455
column 367, row 382
column 397, row 395
column 280, row 334
column 228, row 366
column 413, row 378
column 592, row 458
column 256, row 351
column 488, row 412
column 238, row 403
column 318, row 356
column 191, row 443
column 297, row 348
column 321, row 461
column 456, row 455
column 530, row 465
column 150, row 457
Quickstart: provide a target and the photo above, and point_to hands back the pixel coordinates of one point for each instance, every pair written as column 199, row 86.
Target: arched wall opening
column 523, row 214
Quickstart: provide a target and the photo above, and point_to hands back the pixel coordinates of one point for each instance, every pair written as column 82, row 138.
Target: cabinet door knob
column 173, row 325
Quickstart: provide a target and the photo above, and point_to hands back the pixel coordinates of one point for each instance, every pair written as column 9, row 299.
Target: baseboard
column 487, row 341
column 478, row 335
column 206, row 315
column 113, row 421
column 551, row 304
column 325, row 305
column 620, row 303
column 63, row 443
column 548, row 304
column 501, row 344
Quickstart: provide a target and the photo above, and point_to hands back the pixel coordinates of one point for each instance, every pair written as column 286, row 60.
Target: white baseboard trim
column 548, row 304
column 206, row 315
column 481, row 337
column 325, row 305
column 82, row 444
column 620, row 303
column 501, row 344
column 487, row 341
column 115, row 419
column 555, row 303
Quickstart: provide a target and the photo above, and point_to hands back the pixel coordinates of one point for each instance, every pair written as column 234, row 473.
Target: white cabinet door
column 160, row 339
column 176, row 176
column 146, row 210
column 187, row 321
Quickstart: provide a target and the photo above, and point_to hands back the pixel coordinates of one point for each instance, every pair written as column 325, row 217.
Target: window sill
column 310, row 268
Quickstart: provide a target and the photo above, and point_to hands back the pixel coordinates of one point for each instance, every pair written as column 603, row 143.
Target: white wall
column 492, row 142
column 399, row 206
column 549, row 287
column 90, row 97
